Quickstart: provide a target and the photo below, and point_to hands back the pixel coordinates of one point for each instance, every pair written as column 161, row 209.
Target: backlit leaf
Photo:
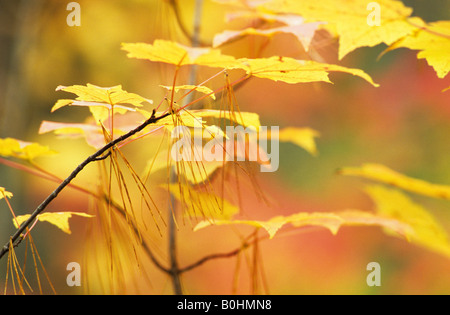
column 177, row 54
column 10, row 147
column 187, row 119
column 203, row 204
column 292, row 24
column 293, row 71
column 331, row 221
column 246, row 119
column 275, row 68
column 102, row 101
column 349, row 19
column 198, row 173
column 59, row 219
column 92, row 133
column 195, row 118
column 385, row 175
column 303, row 32
column 303, row 137
column 426, row 230
column 433, row 43
column 198, row 88
column 67, row 129
column 4, row 193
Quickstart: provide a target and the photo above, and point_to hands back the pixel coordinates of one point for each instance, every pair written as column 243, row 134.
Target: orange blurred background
column 403, row 124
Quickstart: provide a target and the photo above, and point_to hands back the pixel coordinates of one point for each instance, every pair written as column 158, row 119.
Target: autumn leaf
column 196, row 118
column 108, row 95
column 385, row 175
column 10, row 147
column 275, row 68
column 67, row 129
column 433, row 43
column 5, row 194
column 102, row 101
column 157, row 162
column 198, row 173
column 92, row 133
column 180, row 55
column 198, row 88
column 195, row 172
column 304, row 32
column 302, row 137
column 59, row 219
column 329, row 220
column 426, row 230
column 394, row 212
column 202, row 203
column 246, row 119
column 239, row 145
column 196, row 160
column 349, row 19
column 184, row 118
column 293, row 71
column 218, row 153
column 291, row 24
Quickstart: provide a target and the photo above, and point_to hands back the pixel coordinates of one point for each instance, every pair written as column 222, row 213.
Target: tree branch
column 17, row 237
column 195, row 42
column 213, row 256
column 245, row 244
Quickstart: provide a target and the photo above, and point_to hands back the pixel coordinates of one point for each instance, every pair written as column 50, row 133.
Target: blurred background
column 404, row 124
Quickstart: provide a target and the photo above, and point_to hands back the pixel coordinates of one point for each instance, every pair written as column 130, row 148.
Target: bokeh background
column 404, row 124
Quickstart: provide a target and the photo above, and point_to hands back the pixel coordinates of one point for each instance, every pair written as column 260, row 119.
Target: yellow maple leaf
column 197, row 173
column 203, row 204
column 178, row 54
column 4, row 193
column 303, row 32
column 433, row 43
column 246, row 119
column 291, row 24
column 275, row 68
column 59, row 219
column 329, row 220
column 102, row 101
column 293, row 71
column 195, row 118
column 92, row 133
column 386, row 175
column 426, row 231
column 10, row 147
column 349, row 19
column 199, row 88
column 303, row 137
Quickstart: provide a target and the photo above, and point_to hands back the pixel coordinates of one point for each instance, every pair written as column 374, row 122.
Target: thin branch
column 192, row 38
column 195, row 42
column 214, row 256
column 426, row 29
column 16, row 238
column 245, row 244
column 49, row 176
